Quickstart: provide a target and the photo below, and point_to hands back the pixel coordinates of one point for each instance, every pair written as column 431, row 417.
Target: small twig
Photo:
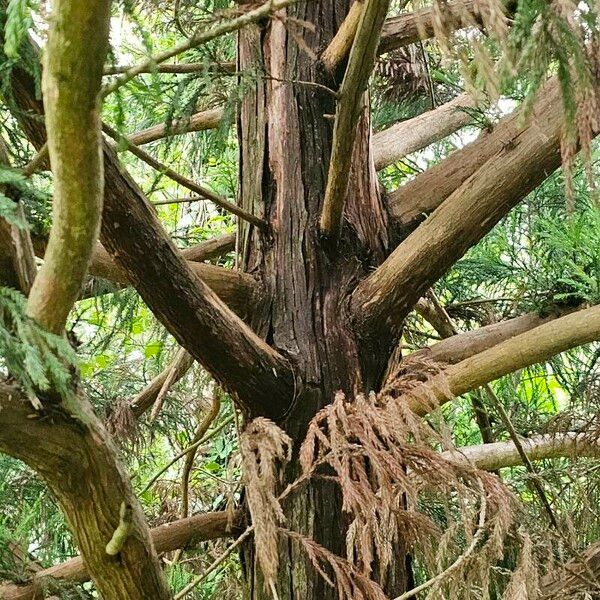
column 179, row 201
column 184, row 181
column 37, row 163
column 319, row 86
column 514, row 436
column 119, row 537
column 172, row 377
column 210, row 416
column 186, row 451
column 196, row 40
column 192, row 584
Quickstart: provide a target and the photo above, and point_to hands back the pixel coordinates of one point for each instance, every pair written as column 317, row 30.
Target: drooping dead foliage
column 264, row 447
column 398, row 490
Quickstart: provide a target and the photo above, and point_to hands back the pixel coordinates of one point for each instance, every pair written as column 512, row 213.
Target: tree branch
column 259, row 379
column 202, row 37
column 499, row 455
column 183, row 533
column 342, row 41
column 349, row 107
column 534, row 346
column 381, row 302
column 395, row 142
column 69, row 448
column 177, row 68
column 412, row 201
column 409, row 28
column 184, row 181
column 74, row 58
column 200, row 121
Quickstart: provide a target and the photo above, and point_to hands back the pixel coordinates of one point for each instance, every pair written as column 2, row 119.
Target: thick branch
column 259, row 378
column 74, row 57
column 69, row 448
column 534, row 346
column 207, row 119
column 499, row 455
column 183, row 533
column 411, row 202
column 349, row 107
column 459, row 347
column 381, row 302
column 394, row 143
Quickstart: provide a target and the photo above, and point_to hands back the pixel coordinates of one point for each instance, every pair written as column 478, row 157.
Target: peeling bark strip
column 72, row 74
column 347, row 114
column 420, row 196
column 184, row 533
column 395, row 142
column 381, row 302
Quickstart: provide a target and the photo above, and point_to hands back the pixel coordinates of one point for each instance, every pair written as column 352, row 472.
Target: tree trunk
column 285, row 132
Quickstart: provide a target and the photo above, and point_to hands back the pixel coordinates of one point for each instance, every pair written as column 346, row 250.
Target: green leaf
column 9, row 210
column 18, row 21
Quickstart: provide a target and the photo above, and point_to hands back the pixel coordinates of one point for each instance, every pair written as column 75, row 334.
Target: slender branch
column 342, row 41
column 184, row 181
column 200, row 121
column 534, row 346
column 74, row 56
column 349, row 107
column 500, row 455
column 177, row 368
column 395, row 142
column 203, row 426
column 166, row 538
column 177, row 68
column 202, row 37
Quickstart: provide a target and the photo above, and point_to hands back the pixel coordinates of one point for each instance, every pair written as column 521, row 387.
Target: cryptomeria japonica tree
column 339, row 424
